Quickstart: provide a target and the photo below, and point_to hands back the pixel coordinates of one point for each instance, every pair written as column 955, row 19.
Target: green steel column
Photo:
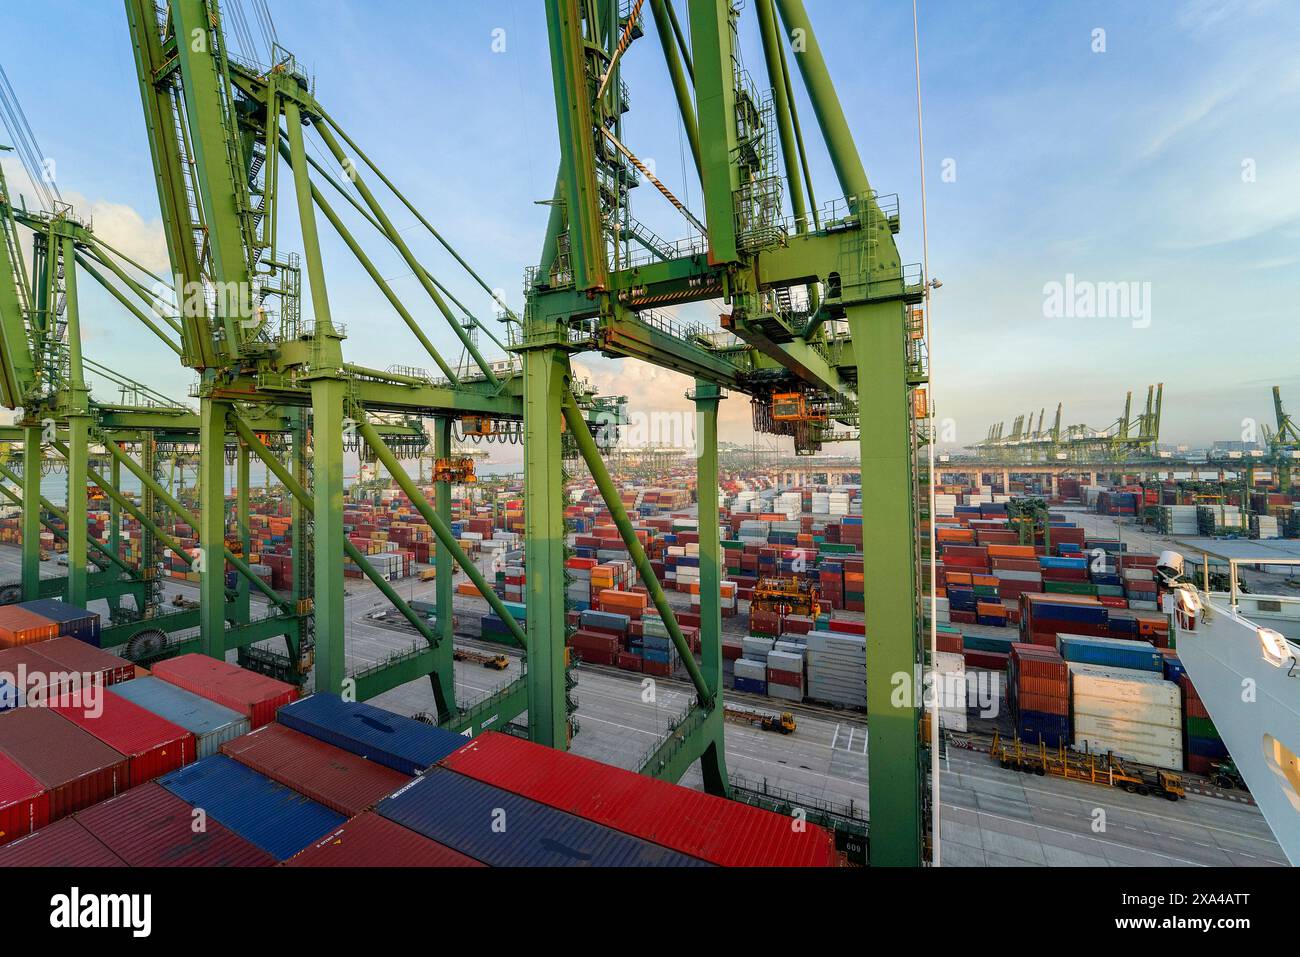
column 213, row 150
column 574, row 89
column 784, row 120
column 681, row 85
column 826, row 104
column 327, row 392
column 706, row 397
column 299, row 515
column 212, row 526
column 78, row 437
column 715, row 97
column 243, row 589
column 443, row 677
column 150, row 554
column 327, row 491
column 712, row 761
column 114, row 522
column 546, row 381
column 888, row 543
column 32, row 456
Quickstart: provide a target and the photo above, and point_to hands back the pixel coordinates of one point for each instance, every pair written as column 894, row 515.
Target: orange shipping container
column 21, row 627
column 1011, row 551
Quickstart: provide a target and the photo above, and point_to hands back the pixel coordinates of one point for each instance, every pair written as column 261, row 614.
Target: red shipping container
column 154, row 745
column 995, row 660
column 1200, row 764
column 24, row 805
column 149, row 826
column 87, row 660
column 799, row 624
column 791, row 679
column 346, row 782
column 370, row 840
column 1046, row 704
column 18, row 626
column 629, row 661
column 846, row 626
column 251, row 694
column 948, row 641
column 77, row 769
column 63, row 844
column 30, row 671
column 706, row 827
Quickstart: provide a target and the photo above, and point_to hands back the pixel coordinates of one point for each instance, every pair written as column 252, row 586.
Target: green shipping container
column 1201, row 728
column 1069, row 588
column 838, row 548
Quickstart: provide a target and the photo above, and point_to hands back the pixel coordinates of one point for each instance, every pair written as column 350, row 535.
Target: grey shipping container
column 212, row 724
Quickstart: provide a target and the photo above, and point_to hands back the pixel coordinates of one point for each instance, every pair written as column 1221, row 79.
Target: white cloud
column 122, row 227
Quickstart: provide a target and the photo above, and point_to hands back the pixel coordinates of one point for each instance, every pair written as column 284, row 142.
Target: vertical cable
column 934, row 595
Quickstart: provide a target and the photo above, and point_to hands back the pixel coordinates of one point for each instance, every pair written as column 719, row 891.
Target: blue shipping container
column 1174, row 670
column 77, row 622
column 505, row 830
column 752, row 685
column 403, row 744
column 1206, row 747
column 277, row 819
column 1045, row 611
column 1115, row 652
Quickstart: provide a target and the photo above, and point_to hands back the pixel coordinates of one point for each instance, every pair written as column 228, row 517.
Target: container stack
column 1176, row 519
column 750, row 676
column 1043, row 617
column 1221, row 519
column 785, row 678
column 950, row 681
column 837, row 668
column 72, row 621
column 655, row 646
column 253, row 695
column 1038, row 692
column 152, row 745
column 210, row 723
column 1133, row 714
column 1204, row 747
column 1265, row 526
column 334, row 783
column 1125, row 653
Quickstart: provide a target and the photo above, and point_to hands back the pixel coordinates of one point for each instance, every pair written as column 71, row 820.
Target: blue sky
column 1117, row 166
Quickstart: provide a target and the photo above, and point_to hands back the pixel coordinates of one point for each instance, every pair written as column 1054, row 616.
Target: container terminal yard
column 349, row 612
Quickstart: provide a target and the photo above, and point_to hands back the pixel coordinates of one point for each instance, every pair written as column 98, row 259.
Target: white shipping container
column 785, row 661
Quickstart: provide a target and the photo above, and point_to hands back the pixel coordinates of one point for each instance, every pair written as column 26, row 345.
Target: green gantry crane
column 1128, row 439
column 44, row 372
column 228, row 141
column 821, row 327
